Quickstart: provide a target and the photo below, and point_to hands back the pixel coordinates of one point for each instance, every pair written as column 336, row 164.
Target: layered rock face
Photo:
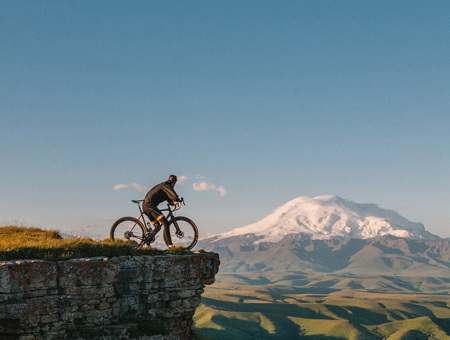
column 102, row 298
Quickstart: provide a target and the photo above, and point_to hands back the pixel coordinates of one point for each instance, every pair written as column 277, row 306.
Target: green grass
column 33, row 243
column 417, row 329
column 281, row 309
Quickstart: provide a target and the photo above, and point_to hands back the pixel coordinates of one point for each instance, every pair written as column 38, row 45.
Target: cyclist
column 158, row 194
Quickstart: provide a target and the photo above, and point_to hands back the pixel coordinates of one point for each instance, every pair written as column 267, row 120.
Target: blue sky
column 268, row 100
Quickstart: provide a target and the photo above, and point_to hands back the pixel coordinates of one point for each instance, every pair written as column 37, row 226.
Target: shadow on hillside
column 400, row 283
column 227, row 334
column 261, row 280
column 280, row 309
column 358, row 315
column 238, row 329
column 436, row 258
column 326, row 253
column 418, row 310
column 444, row 324
column 301, row 290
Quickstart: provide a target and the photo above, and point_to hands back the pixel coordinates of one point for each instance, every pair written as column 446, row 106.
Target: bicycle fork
column 179, row 233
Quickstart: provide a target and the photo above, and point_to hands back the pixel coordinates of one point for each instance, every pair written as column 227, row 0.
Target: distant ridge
column 384, row 255
column 326, row 217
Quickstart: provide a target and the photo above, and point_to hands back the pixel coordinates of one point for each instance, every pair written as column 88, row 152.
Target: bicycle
column 183, row 231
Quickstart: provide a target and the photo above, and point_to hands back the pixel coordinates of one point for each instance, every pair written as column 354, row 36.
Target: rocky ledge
column 141, row 297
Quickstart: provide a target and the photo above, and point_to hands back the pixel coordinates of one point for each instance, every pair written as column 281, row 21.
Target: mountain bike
column 183, row 231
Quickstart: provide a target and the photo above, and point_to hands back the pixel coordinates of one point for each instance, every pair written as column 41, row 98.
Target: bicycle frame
column 170, row 216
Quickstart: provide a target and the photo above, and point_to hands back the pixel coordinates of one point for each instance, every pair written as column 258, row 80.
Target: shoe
column 171, row 247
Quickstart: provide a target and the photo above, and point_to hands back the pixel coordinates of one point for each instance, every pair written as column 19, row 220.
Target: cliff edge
column 139, row 297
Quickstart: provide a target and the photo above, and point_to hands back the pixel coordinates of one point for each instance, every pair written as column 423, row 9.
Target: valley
column 328, row 268
column 298, row 306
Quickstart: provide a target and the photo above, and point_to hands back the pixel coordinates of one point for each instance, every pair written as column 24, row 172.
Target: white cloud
column 182, row 179
column 204, row 186
column 138, row 187
column 122, row 186
column 222, row 190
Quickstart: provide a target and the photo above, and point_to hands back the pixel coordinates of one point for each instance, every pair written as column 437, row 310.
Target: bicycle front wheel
column 128, row 229
column 186, row 235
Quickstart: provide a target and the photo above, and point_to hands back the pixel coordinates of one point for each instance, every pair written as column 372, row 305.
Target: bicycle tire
column 190, row 233
column 128, row 229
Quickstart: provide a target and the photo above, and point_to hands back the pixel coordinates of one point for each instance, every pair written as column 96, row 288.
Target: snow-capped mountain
column 326, row 217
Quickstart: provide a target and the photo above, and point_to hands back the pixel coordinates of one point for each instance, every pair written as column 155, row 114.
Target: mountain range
column 326, row 217
column 329, row 234
column 328, row 268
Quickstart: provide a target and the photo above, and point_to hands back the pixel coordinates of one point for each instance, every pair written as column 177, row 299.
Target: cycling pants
column 154, row 214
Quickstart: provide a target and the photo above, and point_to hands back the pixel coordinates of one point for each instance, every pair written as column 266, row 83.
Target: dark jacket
column 160, row 193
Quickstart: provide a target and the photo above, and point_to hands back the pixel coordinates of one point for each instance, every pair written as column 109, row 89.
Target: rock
column 102, row 298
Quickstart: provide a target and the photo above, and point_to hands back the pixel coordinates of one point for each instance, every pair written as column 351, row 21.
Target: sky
column 251, row 103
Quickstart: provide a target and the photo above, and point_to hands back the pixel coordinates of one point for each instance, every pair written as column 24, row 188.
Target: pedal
column 149, row 238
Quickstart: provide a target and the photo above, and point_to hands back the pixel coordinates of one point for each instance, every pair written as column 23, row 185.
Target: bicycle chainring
column 149, row 237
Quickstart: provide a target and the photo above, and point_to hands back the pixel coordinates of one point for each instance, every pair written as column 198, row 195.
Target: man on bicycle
column 158, row 194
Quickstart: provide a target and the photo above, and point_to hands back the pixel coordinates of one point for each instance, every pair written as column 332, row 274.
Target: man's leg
column 153, row 215
column 159, row 217
column 166, row 235
column 148, row 212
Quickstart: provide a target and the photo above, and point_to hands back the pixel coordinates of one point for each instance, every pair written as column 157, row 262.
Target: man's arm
column 171, row 193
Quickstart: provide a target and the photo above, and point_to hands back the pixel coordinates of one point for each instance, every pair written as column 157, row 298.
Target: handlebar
column 178, row 205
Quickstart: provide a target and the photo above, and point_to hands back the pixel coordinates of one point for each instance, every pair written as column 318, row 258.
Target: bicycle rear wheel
column 128, row 229
column 189, row 233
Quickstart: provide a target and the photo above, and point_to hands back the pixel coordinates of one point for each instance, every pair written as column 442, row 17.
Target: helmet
column 172, row 179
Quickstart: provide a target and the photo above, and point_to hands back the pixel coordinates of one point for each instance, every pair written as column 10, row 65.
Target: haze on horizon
column 253, row 103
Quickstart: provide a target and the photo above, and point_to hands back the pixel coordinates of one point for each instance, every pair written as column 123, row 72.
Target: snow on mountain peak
column 325, row 217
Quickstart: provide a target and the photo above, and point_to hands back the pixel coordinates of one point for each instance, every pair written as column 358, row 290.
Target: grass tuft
column 33, row 243
column 178, row 250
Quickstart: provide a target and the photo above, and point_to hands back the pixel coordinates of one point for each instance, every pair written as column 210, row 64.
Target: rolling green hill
column 296, row 306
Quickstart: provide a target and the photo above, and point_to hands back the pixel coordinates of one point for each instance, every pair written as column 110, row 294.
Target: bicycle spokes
column 128, row 229
column 184, row 232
